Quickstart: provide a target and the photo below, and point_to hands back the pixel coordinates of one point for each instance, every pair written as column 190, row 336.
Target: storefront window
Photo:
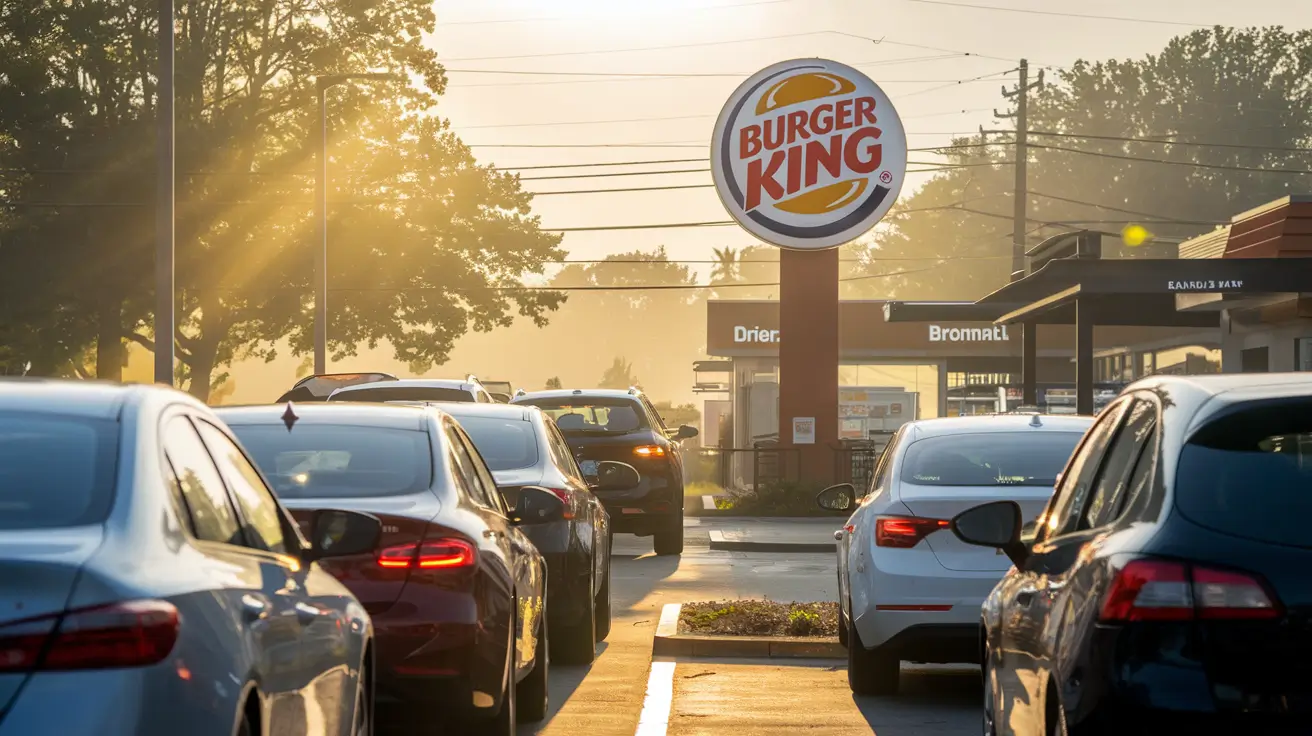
column 921, row 380
column 1192, row 360
column 1303, row 354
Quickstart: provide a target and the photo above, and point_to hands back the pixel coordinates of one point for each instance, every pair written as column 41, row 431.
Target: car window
column 1105, row 500
column 384, row 392
column 1248, row 473
column 1141, row 480
column 263, row 518
column 481, row 471
column 197, row 480
column 338, row 460
column 987, row 459
column 561, row 452
column 1068, row 501
column 594, row 414
column 56, row 471
column 883, row 464
column 505, row 443
column 654, row 416
column 464, row 467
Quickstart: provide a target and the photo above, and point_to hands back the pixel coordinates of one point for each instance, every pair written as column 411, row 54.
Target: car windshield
column 1249, row 474
column 505, row 444
column 592, row 414
column 55, row 471
column 989, row 459
column 405, row 393
column 339, row 461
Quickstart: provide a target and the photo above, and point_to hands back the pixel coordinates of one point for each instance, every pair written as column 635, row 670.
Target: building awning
column 1141, row 291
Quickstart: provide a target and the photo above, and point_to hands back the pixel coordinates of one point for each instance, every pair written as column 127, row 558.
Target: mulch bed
column 759, row 618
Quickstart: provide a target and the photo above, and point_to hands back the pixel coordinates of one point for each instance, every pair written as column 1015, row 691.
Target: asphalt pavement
column 737, row 697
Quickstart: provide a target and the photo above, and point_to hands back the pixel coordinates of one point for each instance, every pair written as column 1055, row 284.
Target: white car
column 416, row 390
column 909, row 590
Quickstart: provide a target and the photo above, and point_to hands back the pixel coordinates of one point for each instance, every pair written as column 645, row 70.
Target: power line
column 697, row 144
column 938, row 166
column 1164, row 141
column 1059, row 14
column 577, row 18
column 1118, row 209
column 954, row 84
column 624, row 77
column 659, row 119
column 1218, row 167
column 643, row 48
column 604, row 163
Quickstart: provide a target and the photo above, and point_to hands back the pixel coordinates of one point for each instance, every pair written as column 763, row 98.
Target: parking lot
column 735, row 696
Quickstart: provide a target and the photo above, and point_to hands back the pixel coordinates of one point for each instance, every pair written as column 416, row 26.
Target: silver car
column 152, row 584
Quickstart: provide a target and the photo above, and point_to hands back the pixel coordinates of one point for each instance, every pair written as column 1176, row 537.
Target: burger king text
column 851, row 145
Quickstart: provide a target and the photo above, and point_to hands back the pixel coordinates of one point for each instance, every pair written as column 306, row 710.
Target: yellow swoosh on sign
column 802, row 88
column 825, row 199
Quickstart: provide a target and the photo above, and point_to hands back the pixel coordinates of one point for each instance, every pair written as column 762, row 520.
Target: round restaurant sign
column 808, row 154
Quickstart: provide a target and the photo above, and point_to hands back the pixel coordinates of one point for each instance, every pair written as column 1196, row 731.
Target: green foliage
column 553, row 384
column 777, row 498
column 677, row 415
column 619, row 375
column 422, row 239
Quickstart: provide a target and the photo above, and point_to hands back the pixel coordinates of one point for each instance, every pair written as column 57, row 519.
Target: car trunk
column 597, row 446
column 1264, row 660
column 405, row 521
column 40, row 570
column 945, row 502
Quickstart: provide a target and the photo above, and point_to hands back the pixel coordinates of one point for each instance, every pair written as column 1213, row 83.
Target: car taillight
column 905, row 532
column 129, row 634
column 432, row 554
column 649, row 451
column 1159, row 590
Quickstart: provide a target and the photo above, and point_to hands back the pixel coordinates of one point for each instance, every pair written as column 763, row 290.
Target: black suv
column 608, row 424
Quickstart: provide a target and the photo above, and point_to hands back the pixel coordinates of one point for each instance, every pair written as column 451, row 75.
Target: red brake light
column 905, row 532
column 430, row 554
column 564, row 497
column 129, row 634
column 649, row 451
column 1157, row 590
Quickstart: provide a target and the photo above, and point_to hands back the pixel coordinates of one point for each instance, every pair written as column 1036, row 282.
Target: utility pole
column 164, row 202
column 1022, row 159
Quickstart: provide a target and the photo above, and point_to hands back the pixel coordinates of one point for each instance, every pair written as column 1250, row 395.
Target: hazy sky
column 561, row 36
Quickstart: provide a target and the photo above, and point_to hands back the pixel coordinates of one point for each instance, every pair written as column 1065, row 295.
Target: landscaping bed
column 759, row 618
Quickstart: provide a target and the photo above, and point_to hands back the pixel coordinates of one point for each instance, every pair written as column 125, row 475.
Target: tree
column 1244, row 89
column 425, row 244
column 677, row 415
column 553, row 384
column 619, row 375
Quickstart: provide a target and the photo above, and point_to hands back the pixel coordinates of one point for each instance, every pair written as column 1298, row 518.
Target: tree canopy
column 424, row 244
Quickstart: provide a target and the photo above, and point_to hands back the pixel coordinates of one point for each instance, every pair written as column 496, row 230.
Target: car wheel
column 842, row 628
column 577, row 644
column 603, row 607
column 870, row 671
column 531, row 695
column 670, row 541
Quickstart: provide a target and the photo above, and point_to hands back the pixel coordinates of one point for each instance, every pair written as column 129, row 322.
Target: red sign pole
column 808, row 359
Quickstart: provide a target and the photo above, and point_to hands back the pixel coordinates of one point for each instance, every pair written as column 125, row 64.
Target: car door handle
column 254, row 608
column 307, row 613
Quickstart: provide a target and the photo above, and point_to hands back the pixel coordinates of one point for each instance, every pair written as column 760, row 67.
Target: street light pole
column 322, row 85
column 164, row 204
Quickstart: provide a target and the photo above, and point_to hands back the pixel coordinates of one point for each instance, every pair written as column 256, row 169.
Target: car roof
column 393, row 416
column 569, row 393
column 499, row 411
column 456, row 383
column 922, row 428
column 90, row 399
column 1236, row 386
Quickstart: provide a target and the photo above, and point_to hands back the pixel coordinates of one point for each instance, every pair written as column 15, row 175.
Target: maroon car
column 456, row 591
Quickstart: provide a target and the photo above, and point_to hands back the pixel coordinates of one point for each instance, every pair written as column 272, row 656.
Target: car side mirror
column 340, row 533
column 841, row 497
column 997, row 525
column 685, row 433
column 538, row 506
column 616, row 476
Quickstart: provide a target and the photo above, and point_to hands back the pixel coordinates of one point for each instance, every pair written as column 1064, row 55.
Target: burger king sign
column 808, row 154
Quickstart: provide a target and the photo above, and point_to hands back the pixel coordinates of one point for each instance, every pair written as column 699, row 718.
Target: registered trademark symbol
column 886, row 177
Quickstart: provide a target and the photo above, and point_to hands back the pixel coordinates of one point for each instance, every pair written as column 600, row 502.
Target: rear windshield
column 505, row 444
column 336, row 461
column 992, row 459
column 55, row 471
column 592, row 414
column 1250, row 474
column 413, row 393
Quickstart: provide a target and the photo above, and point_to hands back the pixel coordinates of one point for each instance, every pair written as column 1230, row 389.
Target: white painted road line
column 655, row 718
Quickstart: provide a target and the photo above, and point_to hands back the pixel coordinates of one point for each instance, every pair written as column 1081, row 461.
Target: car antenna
column 289, row 417
column 1035, row 421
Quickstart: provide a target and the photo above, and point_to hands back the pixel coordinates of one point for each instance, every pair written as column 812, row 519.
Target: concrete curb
column 670, row 643
column 720, row 543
